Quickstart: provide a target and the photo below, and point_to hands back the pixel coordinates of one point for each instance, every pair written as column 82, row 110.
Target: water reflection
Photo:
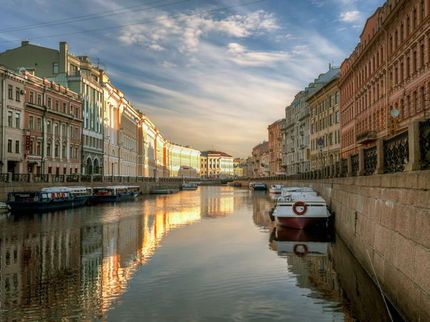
column 75, row 263
column 129, row 261
column 323, row 264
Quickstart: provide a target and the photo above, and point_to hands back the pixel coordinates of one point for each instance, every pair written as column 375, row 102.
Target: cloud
column 350, row 16
column 241, row 56
column 188, row 29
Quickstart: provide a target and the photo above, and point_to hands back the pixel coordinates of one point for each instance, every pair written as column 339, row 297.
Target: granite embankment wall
column 385, row 222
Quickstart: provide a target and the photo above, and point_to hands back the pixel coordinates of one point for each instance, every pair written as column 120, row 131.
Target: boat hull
column 32, row 207
column 301, row 222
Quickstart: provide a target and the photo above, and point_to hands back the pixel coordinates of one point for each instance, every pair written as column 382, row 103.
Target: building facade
column 261, row 160
column 325, row 125
column 12, row 106
column 78, row 74
column 385, row 83
column 216, row 164
column 296, row 128
column 184, row 161
column 52, row 128
column 275, row 147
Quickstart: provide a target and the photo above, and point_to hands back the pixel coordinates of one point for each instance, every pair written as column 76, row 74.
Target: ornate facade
column 385, row 83
column 325, row 125
column 275, row 147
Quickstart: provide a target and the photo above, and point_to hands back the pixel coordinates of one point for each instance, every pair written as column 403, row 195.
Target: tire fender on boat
column 300, row 204
column 300, row 254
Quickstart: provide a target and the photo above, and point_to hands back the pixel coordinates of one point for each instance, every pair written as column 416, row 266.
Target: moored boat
column 189, row 186
column 4, row 208
column 39, row 201
column 81, row 195
column 258, row 186
column 276, row 188
column 301, row 210
column 115, row 193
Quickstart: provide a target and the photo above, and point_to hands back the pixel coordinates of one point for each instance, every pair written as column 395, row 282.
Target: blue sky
column 211, row 74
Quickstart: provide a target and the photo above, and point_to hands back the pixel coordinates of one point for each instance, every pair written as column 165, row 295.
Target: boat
column 189, row 186
column 276, row 188
column 258, row 186
column 39, row 201
column 81, row 195
column 301, row 210
column 4, row 208
column 115, row 193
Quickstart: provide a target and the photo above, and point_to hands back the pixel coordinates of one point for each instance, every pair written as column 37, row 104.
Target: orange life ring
column 300, row 204
column 300, row 254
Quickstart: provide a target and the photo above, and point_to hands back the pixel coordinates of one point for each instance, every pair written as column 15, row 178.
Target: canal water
column 206, row 255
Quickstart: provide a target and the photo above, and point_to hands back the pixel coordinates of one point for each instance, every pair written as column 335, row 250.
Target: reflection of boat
column 257, row 186
column 299, row 242
column 163, row 191
column 115, row 193
column 276, row 188
column 189, row 186
column 36, row 201
column 301, row 210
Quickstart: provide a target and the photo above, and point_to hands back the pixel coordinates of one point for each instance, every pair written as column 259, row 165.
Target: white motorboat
column 301, row 210
column 276, row 189
column 189, row 186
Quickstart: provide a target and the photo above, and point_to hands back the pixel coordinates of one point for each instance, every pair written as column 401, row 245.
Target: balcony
column 367, row 136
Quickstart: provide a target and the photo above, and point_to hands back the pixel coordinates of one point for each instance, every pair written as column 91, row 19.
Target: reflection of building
column 325, row 125
column 261, row 160
column 261, row 204
column 218, row 204
column 275, row 147
column 216, row 164
column 387, row 70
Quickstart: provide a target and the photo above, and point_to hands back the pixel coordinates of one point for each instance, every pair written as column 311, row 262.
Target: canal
column 206, row 255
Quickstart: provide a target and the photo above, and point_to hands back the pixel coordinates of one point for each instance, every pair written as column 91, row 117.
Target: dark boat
column 81, row 195
column 39, row 201
column 115, row 193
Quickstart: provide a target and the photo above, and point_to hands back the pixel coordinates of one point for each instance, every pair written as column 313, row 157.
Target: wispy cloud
column 242, row 56
column 351, row 16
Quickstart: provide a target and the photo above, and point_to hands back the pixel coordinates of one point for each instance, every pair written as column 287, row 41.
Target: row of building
column 61, row 114
column 376, row 93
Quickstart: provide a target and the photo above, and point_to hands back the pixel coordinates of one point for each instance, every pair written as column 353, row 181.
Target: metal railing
column 424, row 129
column 396, row 153
column 370, row 161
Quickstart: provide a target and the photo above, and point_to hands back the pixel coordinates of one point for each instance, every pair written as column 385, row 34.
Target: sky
column 210, row 74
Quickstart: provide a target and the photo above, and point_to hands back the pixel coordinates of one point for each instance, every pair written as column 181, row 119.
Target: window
column 56, row 151
column 16, row 146
column 49, row 170
column 17, row 94
column 38, row 148
column 39, row 99
column 31, row 97
column 49, row 102
column 63, row 152
column 56, row 129
column 49, row 127
column 71, row 109
column 48, row 149
column 64, row 108
column 56, row 106
column 9, row 118
column 30, row 122
column 77, row 112
column 9, row 146
column 39, row 124
column 10, row 92
column 18, row 120
column 63, row 130
column 55, row 68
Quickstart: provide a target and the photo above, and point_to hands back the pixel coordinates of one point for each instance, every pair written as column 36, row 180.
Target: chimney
column 24, row 43
column 64, row 57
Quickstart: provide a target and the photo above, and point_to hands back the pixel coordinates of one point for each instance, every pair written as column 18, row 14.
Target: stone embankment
column 385, row 222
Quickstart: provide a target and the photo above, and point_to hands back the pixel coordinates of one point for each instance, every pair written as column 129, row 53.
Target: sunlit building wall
column 184, row 161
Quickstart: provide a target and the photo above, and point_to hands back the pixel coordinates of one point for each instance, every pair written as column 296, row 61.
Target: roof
column 205, row 153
